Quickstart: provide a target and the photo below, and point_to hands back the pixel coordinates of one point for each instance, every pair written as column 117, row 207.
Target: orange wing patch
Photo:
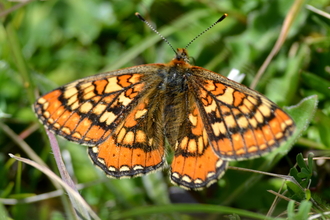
column 129, row 151
column 195, row 165
column 241, row 124
column 87, row 112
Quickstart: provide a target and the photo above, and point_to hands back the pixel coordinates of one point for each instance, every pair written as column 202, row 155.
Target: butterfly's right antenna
column 137, row 14
column 219, row 20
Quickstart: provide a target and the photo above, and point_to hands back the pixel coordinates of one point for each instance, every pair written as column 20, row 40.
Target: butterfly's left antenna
column 137, row 14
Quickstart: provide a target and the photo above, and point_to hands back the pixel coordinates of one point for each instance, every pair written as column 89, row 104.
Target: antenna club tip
column 137, row 14
column 222, row 17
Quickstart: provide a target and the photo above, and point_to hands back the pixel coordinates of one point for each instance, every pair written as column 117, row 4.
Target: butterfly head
column 182, row 55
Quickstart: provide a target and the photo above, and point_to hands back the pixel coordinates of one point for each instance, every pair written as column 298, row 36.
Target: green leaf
column 296, row 192
column 294, row 172
column 303, row 210
column 300, row 161
column 308, row 194
column 310, row 162
column 316, row 83
column 3, row 213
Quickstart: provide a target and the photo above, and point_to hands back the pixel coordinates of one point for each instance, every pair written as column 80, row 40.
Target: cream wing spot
column 42, row 101
column 112, row 169
column 89, row 95
column 230, row 121
column 263, row 146
column 95, row 150
column 176, row 175
column 216, row 127
column 86, row 107
column 101, row 160
column 46, row 114
column 192, row 146
column 124, row 168
column 186, row 179
column 219, row 163
column 184, row 143
column 252, row 100
column 211, row 108
column 99, row 109
column 151, row 141
column 112, row 86
column 193, row 119
column 252, row 149
column 140, row 136
column 243, row 122
column 259, row 117
column 279, row 135
column 129, row 138
column 244, row 109
column 72, row 99
column 283, row 126
column 289, row 122
column 253, row 122
column 89, row 88
column 57, row 125
column 200, row 145
column 77, row 135
column 108, row 117
column 210, row 174
column 138, row 167
column 66, row 130
column 75, row 105
column 227, row 97
column 45, row 105
column 140, row 113
column 86, row 85
column 71, row 91
column 271, row 142
column 248, row 105
column 176, row 145
column 266, row 111
column 121, row 135
column 205, row 137
column 124, row 100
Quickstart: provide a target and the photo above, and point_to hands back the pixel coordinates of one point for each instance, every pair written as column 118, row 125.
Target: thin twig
column 15, row 7
column 318, row 11
column 52, row 175
column 285, row 177
column 292, row 14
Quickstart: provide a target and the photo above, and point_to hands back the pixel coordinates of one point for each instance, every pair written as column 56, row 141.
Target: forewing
column 88, row 110
column 240, row 122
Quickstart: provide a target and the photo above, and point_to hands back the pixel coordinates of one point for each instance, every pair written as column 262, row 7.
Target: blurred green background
column 45, row 44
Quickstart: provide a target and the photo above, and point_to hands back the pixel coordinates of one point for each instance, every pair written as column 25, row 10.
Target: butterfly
column 126, row 118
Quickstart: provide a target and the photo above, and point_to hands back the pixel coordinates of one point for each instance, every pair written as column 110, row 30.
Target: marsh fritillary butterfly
column 126, row 116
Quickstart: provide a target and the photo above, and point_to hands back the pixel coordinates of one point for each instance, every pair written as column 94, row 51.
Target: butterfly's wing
column 112, row 113
column 195, row 165
column 240, row 122
column 137, row 145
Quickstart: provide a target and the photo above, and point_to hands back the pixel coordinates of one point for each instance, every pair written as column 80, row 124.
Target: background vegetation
column 44, row 44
